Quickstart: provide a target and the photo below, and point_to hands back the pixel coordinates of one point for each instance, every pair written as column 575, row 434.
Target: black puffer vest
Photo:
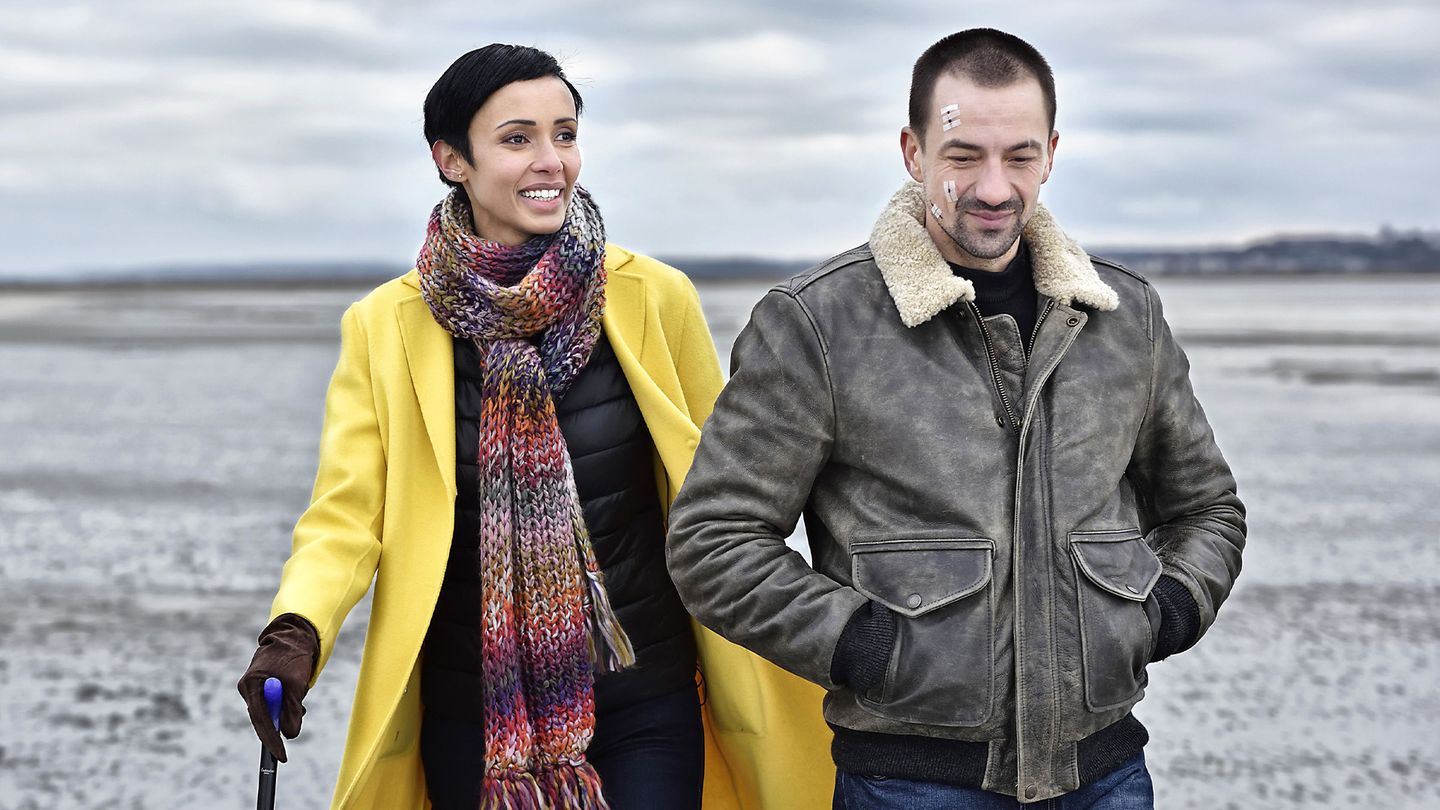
column 613, row 457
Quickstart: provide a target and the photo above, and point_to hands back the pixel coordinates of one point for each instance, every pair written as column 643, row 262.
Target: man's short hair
column 989, row 58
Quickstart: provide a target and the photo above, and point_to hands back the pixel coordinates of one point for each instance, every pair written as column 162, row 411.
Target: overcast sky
column 144, row 131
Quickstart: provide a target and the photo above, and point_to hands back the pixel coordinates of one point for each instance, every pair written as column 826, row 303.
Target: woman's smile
column 544, row 199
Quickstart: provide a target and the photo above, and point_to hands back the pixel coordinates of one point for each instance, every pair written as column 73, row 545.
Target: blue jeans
column 650, row 756
column 1126, row 788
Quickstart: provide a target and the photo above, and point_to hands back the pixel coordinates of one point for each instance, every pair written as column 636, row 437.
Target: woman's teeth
column 542, row 194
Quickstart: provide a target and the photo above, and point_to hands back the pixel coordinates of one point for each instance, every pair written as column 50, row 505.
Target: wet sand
column 157, row 445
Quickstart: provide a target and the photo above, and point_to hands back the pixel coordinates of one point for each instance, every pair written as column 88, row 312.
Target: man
column 1013, row 501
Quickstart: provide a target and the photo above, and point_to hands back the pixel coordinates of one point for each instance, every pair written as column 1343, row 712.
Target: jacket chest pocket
column 942, row 668
column 1115, row 572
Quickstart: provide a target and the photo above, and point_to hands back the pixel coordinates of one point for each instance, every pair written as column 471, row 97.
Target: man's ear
column 1050, row 154
column 910, row 150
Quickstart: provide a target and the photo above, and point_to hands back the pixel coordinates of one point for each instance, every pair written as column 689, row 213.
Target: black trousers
column 650, row 756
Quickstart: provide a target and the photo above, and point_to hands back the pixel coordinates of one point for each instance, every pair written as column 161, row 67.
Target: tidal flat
column 156, row 446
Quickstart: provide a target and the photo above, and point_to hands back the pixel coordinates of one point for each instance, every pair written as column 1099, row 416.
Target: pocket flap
column 913, row 577
column 1119, row 561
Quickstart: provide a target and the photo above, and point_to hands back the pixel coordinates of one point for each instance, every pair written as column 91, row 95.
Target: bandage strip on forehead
column 949, row 117
column 935, row 211
column 950, row 193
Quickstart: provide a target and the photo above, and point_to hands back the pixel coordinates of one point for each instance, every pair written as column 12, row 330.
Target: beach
column 157, row 444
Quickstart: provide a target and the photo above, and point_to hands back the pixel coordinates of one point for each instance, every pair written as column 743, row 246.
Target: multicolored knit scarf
column 547, row 625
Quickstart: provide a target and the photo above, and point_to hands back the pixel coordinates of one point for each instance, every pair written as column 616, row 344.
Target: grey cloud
column 684, row 20
column 252, row 44
column 291, row 129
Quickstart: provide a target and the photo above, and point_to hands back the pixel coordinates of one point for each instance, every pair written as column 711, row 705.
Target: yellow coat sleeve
column 336, row 544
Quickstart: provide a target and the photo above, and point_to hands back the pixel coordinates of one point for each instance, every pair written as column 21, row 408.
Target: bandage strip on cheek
column 949, row 117
column 950, row 193
column 935, row 211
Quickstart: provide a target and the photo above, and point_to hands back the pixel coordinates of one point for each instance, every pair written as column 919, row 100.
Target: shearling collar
column 922, row 283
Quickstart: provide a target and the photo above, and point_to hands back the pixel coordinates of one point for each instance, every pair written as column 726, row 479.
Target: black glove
column 289, row 648
column 862, row 655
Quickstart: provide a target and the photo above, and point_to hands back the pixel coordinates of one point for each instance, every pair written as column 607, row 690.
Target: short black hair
column 987, row 57
column 471, row 80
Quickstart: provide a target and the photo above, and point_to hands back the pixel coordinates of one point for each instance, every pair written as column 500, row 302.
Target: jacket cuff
column 863, row 652
column 1179, row 618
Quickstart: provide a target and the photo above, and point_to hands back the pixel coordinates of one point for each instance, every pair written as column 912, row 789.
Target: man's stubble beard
column 983, row 244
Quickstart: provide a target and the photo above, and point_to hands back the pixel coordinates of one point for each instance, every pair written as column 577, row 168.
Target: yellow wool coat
column 383, row 510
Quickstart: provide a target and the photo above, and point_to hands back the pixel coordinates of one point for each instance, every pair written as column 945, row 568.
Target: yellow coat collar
column 430, row 353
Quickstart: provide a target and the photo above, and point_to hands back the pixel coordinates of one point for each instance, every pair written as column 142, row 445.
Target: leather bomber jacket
column 1014, row 512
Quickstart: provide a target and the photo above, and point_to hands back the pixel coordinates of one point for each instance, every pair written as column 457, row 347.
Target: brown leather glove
column 289, row 647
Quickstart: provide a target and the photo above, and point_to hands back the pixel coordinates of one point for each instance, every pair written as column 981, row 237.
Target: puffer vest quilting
column 613, row 457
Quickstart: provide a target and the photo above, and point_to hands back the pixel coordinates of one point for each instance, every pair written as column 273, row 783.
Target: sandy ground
column 156, row 447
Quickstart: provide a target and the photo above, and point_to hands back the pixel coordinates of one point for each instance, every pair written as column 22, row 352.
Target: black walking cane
column 266, row 799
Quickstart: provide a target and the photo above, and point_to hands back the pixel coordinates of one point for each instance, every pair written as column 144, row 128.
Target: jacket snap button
column 1031, row 792
column 914, row 600
column 1132, row 589
column 1072, row 321
column 999, row 421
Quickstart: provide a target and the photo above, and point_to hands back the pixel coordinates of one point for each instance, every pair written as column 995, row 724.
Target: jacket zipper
column 1015, row 534
column 1016, row 425
column 1035, row 333
column 995, row 367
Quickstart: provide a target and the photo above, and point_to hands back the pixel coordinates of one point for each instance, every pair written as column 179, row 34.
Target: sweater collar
column 921, row 281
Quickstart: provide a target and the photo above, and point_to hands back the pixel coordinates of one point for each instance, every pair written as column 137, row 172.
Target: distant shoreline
column 1388, row 252
column 365, row 282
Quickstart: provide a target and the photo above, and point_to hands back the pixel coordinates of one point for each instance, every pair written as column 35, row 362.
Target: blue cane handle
column 273, row 692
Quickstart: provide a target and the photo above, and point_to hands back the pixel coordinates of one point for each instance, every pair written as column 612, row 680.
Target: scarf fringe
column 512, row 791
column 564, row 786
column 610, row 648
column 573, row 787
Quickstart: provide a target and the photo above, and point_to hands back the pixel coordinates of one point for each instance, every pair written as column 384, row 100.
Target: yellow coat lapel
column 430, row 357
column 633, row 325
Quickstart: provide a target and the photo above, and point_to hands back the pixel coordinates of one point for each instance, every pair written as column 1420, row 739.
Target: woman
column 497, row 430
